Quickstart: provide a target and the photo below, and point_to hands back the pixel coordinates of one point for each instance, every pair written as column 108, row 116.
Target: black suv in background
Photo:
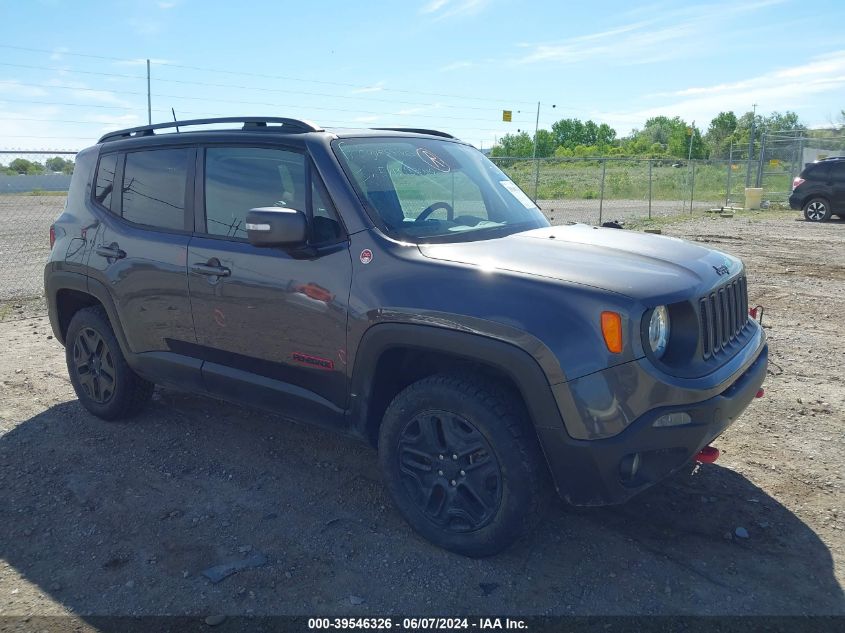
column 398, row 287
column 820, row 190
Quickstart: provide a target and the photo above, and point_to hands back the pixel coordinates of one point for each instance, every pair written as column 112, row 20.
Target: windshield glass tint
column 429, row 190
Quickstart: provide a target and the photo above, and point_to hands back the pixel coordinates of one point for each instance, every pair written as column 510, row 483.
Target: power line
column 359, row 125
column 241, row 102
column 241, row 73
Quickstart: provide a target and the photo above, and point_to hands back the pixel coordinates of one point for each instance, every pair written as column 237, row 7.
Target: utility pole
column 149, row 99
column 536, row 162
column 690, row 170
column 750, row 147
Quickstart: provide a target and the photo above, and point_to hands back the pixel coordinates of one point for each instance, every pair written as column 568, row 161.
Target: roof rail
column 294, row 126
column 416, row 130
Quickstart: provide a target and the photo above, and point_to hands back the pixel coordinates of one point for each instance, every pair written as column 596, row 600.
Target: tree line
column 24, row 167
column 660, row 137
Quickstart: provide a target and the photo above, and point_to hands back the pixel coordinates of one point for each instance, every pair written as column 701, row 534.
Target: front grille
column 723, row 314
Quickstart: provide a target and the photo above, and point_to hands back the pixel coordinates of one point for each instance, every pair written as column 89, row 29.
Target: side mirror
column 276, row 226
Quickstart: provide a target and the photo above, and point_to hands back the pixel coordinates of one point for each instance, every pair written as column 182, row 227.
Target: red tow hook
column 707, row 455
column 760, row 393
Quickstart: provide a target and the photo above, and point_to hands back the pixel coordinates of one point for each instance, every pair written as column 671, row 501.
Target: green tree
column 720, row 134
column 545, row 144
column 517, row 145
column 568, row 133
column 57, row 163
column 23, row 166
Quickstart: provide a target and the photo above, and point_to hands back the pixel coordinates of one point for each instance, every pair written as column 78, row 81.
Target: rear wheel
column 103, row 381
column 462, row 464
column 817, row 210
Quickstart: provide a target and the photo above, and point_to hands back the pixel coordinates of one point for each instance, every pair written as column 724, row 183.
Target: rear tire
column 462, row 463
column 817, row 210
column 103, row 381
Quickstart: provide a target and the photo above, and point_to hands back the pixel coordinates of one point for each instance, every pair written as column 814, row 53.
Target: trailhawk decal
column 314, row 361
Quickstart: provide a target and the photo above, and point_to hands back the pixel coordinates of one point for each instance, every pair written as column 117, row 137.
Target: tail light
column 796, row 181
column 52, row 236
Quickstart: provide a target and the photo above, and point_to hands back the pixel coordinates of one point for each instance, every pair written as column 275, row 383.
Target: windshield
column 426, row 190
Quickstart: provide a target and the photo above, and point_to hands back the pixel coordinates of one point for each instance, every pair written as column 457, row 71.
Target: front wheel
column 462, row 464
column 817, row 210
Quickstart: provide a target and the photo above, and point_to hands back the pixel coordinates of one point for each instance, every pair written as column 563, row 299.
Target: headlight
column 658, row 330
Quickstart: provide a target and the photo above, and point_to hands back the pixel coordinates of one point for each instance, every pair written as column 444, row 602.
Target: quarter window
column 154, row 183
column 105, row 180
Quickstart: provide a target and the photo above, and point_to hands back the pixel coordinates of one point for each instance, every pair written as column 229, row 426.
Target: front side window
column 238, row 179
column 154, row 183
column 104, row 184
column 430, row 190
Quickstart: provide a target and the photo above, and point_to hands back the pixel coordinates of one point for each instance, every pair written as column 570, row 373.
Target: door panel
column 273, row 315
column 145, row 267
column 263, row 312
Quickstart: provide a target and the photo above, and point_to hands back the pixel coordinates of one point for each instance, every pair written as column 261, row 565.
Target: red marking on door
column 219, row 317
column 313, row 361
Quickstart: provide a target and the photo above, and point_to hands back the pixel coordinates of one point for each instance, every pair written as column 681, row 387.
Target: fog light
column 673, row 419
column 629, row 466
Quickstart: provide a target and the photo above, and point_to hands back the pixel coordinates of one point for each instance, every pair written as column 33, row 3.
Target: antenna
column 174, row 119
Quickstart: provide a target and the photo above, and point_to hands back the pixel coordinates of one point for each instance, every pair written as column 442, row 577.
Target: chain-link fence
column 33, row 189
column 595, row 190
column 783, row 155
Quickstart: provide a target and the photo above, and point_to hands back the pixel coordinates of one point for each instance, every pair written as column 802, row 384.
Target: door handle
column 210, row 271
column 110, row 252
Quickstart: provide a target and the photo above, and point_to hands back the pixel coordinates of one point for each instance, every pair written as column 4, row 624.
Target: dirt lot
column 105, row 518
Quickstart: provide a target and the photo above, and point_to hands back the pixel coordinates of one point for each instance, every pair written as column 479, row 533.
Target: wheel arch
column 69, row 292
column 393, row 355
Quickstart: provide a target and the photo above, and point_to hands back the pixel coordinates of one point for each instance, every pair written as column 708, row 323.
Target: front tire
column 462, row 463
column 103, row 381
column 817, row 210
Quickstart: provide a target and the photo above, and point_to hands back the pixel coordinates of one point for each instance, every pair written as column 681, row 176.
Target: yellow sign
column 774, row 163
column 507, row 115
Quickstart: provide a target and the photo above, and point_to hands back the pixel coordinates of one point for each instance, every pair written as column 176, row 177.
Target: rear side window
column 816, row 171
column 154, row 184
column 105, row 180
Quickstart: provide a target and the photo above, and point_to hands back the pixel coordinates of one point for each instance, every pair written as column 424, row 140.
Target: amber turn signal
column 611, row 330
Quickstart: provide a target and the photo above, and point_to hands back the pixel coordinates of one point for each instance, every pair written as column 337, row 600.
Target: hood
column 639, row 265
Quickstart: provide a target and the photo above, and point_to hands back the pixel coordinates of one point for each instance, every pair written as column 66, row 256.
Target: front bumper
column 589, row 472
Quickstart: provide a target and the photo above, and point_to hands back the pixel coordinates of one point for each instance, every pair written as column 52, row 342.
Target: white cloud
column 166, row 5
column 788, row 88
column 442, row 9
column 376, row 87
column 12, row 87
column 668, row 34
column 459, row 65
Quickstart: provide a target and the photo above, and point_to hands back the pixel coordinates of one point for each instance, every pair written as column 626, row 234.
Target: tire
column 817, row 210
column 103, row 381
column 487, row 498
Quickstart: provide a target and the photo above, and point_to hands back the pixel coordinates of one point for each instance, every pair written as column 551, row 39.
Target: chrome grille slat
column 722, row 315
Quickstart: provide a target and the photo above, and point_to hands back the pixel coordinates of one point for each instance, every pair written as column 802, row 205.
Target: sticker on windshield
column 517, row 193
column 433, row 159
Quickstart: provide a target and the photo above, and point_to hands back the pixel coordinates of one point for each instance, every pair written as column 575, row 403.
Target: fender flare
column 58, row 280
column 510, row 360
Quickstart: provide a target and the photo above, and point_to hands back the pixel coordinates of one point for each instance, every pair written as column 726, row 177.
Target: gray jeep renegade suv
column 397, row 286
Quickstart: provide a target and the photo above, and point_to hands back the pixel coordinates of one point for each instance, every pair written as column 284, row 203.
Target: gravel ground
column 122, row 518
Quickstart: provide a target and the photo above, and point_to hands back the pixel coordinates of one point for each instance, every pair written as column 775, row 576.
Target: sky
column 72, row 70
